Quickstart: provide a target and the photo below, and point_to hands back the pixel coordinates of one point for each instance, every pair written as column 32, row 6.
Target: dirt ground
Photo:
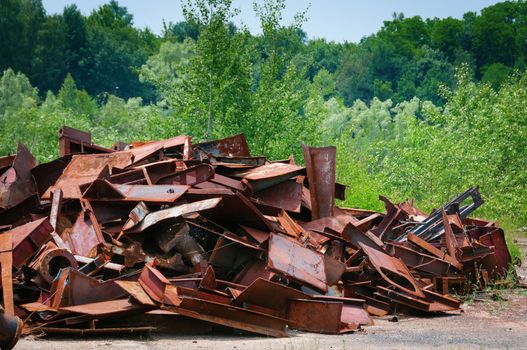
column 493, row 320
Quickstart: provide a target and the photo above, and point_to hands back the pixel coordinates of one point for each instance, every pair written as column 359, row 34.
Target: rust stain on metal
column 146, row 234
column 297, row 262
column 321, row 170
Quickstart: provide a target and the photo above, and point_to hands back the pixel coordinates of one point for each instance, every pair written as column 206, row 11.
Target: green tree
column 495, row 73
column 214, row 96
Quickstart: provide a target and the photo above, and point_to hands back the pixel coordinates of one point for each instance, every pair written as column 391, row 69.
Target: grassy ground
column 512, row 236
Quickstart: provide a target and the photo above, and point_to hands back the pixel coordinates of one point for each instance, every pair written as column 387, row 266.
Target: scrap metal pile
column 173, row 236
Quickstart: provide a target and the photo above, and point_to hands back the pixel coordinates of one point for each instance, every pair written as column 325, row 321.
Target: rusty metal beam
column 321, row 170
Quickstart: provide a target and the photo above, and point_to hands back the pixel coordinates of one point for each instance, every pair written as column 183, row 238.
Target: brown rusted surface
column 6, row 263
column 28, row 238
column 269, row 294
column 102, row 190
column 11, row 329
column 72, row 288
column 137, row 292
column 419, row 261
column 158, row 287
column 188, row 238
column 286, row 195
column 296, row 262
column 191, row 176
column 300, row 314
column 231, row 146
column 392, row 270
column 16, row 184
column 104, row 308
column 175, row 212
column 51, row 261
column 321, row 170
column 231, row 316
column 268, row 175
column 430, row 249
column 6, row 162
column 85, row 235
column 84, row 169
column 77, row 141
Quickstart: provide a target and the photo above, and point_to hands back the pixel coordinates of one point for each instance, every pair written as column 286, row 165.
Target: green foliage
column 417, row 150
column 407, row 57
column 406, row 123
column 495, row 73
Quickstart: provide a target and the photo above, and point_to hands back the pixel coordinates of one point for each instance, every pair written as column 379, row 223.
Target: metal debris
column 207, row 236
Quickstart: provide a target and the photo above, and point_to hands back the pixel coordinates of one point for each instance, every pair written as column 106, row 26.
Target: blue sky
column 334, row 20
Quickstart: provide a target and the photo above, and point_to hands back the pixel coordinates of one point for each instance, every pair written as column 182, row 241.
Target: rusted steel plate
column 450, row 238
column 175, row 212
column 431, row 302
column 289, row 226
column 321, row 172
column 393, row 215
column 236, row 210
column 191, row 176
column 366, row 223
column 198, row 194
column 20, row 211
column 17, row 184
column 227, row 182
column 107, row 212
column 392, row 270
column 320, row 224
column 419, row 261
column 334, row 269
column 28, row 238
column 102, row 190
column 208, row 281
column 155, row 171
column 404, row 299
column 84, row 169
column 118, row 307
column 316, row 316
column 6, row 162
column 134, row 176
column 355, row 237
column 231, row 316
column 145, row 150
column 137, row 215
column 258, row 235
column 296, row 262
column 430, row 249
column 6, row 263
column 231, row 252
column 409, row 208
column 269, row 175
column 286, row 195
column 200, row 294
column 72, row 288
column 85, row 235
column 440, row 302
column 239, row 161
column 355, row 315
column 77, row 141
column 158, row 287
column 253, row 270
column 233, row 146
column 269, row 294
column 46, row 174
column 496, row 238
